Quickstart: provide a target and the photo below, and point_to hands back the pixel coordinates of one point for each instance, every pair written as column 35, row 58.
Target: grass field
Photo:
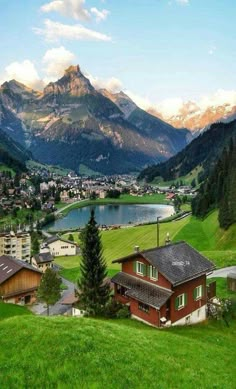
column 57, row 352
column 217, row 245
column 9, row 310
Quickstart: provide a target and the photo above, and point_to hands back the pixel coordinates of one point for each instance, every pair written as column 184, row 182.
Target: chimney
column 136, row 249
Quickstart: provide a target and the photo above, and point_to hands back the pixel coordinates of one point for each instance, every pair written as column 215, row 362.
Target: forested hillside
column 218, row 191
column 202, row 151
column 12, row 154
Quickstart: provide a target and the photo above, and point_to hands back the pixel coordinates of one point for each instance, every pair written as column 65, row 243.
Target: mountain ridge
column 71, row 115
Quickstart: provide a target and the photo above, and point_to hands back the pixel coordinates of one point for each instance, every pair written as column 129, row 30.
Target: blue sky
column 154, row 49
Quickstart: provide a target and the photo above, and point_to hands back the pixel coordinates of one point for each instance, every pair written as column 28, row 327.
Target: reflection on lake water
column 113, row 214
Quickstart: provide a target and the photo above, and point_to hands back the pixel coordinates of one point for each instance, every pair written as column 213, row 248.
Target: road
column 58, row 308
column 69, row 205
column 223, row 272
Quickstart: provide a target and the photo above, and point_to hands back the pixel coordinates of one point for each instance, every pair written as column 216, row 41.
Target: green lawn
column 59, row 352
column 204, row 235
column 9, row 310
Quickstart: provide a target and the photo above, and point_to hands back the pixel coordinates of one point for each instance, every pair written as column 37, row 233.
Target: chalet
column 42, row 261
column 18, row 281
column 164, row 286
column 59, row 247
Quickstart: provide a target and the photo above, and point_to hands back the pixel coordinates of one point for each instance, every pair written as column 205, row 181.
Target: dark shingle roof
column 10, row 266
column 142, row 291
column 43, row 257
column 178, row 262
column 56, row 237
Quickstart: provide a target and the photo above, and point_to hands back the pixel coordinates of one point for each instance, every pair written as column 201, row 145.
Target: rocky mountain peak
column 73, row 83
column 73, row 69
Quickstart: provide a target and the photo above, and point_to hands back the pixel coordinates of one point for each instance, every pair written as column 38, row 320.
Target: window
column 198, row 292
column 143, row 307
column 139, row 268
column 181, row 301
column 153, row 273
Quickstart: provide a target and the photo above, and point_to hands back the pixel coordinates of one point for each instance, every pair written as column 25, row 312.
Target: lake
column 113, row 214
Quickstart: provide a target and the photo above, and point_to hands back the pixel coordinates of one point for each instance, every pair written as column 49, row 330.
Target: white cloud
column 55, row 61
column 212, row 50
column 182, row 2
column 142, row 102
column 71, row 8
column 100, row 15
column 112, row 84
column 53, row 31
column 24, row 72
column 221, row 97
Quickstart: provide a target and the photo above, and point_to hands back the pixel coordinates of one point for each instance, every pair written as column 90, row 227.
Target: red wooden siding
column 192, row 305
column 127, row 267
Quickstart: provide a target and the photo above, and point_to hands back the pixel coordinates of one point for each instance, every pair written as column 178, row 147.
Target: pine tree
column 49, row 288
column 93, row 290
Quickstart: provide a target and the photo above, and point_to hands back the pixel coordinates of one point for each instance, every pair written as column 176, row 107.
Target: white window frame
column 180, row 306
column 151, row 273
column 198, row 292
column 139, row 264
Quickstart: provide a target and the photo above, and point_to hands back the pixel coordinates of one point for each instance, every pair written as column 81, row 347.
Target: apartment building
column 16, row 245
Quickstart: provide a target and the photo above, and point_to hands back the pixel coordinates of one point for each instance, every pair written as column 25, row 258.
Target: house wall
column 127, row 267
column 151, row 317
column 20, row 282
column 192, row 305
column 60, row 248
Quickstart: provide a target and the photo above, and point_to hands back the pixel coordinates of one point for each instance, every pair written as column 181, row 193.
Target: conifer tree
column 93, row 290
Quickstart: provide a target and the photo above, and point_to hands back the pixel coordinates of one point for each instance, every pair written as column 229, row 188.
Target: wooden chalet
column 19, row 281
column 164, row 286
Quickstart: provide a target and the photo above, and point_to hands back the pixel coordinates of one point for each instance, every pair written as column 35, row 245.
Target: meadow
column 204, row 235
column 60, row 352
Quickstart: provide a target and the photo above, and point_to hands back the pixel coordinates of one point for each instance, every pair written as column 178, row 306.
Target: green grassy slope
column 88, row 353
column 204, row 235
column 9, row 310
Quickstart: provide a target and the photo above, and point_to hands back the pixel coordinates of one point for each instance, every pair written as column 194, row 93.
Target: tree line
column 218, row 190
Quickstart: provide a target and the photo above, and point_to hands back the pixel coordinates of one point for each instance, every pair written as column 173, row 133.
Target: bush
column 116, row 310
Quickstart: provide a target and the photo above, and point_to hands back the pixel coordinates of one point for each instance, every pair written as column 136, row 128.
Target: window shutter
column 144, row 269
column 149, row 271
column 185, row 299
column 134, row 266
column 202, row 291
column 195, row 293
column 176, row 304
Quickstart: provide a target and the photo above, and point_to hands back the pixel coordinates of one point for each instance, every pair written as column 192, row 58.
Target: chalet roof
column 43, row 257
column 178, row 262
column 10, row 266
column 142, row 291
column 55, row 238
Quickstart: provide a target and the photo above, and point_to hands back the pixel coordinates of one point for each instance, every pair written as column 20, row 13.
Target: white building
column 60, row 247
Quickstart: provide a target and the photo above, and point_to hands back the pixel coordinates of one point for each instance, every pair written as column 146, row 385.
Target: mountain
column 155, row 128
column 72, row 124
column 12, row 154
column 195, row 118
column 202, row 154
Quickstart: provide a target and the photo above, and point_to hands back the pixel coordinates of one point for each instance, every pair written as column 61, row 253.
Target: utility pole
column 158, row 232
